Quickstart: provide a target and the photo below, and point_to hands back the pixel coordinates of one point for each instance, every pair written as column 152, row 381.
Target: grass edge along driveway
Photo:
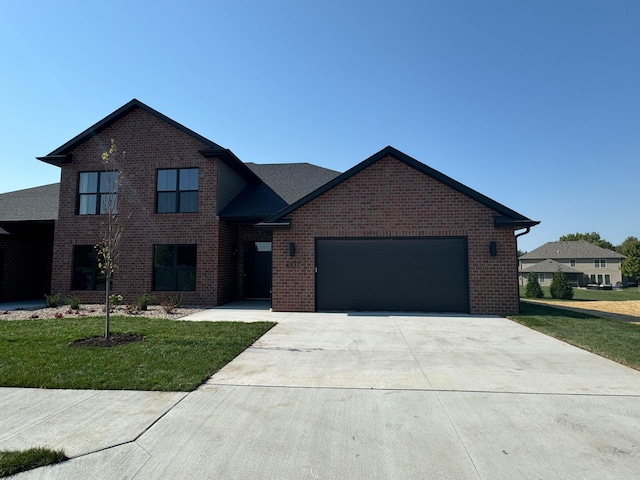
column 617, row 341
column 174, row 356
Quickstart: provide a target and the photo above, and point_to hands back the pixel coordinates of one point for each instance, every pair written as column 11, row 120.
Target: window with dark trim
column 573, row 262
column 86, row 274
column 97, row 193
column 177, row 190
column 174, row 267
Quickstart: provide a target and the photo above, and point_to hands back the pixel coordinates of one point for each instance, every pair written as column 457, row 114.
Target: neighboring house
column 583, row 262
column 389, row 234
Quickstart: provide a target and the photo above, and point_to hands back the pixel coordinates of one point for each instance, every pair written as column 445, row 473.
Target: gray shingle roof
column 574, row 249
column 254, row 202
column 549, row 266
column 292, row 181
column 30, row 205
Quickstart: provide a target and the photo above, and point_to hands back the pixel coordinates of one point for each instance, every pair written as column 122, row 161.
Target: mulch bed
column 113, row 340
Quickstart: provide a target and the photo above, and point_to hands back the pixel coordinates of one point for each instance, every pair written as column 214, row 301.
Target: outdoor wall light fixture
column 292, row 249
column 493, row 248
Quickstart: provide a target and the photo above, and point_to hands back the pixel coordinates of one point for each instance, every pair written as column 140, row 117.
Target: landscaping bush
column 144, row 301
column 533, row 288
column 53, row 301
column 171, row 302
column 74, row 302
column 560, row 287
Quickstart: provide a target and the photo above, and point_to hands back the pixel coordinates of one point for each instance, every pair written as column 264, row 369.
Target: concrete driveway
column 387, row 396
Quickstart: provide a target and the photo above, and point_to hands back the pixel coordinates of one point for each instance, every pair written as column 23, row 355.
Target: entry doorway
column 257, row 270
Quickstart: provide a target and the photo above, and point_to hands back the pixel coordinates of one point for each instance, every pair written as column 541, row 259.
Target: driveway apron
column 358, row 396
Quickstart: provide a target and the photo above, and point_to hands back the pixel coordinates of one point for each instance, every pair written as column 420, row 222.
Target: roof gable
column 59, row 155
column 506, row 217
column 570, row 249
column 549, row 266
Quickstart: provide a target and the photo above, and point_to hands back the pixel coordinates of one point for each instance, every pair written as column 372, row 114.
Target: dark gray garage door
column 392, row 274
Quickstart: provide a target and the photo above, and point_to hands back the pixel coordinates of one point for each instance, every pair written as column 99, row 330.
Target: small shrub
column 74, row 302
column 171, row 302
column 115, row 299
column 533, row 288
column 52, row 301
column 560, row 286
column 132, row 309
column 143, row 302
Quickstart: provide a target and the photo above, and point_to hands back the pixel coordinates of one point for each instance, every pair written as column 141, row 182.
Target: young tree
column 107, row 249
column 533, row 288
column 631, row 265
column 560, row 286
column 591, row 237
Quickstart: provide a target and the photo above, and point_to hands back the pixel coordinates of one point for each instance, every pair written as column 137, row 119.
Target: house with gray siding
column 582, row 262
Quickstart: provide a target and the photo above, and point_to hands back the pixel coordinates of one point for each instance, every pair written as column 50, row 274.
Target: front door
column 257, row 270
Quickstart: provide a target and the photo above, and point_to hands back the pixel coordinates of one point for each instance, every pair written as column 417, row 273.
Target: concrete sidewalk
column 376, row 396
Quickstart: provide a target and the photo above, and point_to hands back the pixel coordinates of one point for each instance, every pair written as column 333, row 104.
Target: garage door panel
column 396, row 274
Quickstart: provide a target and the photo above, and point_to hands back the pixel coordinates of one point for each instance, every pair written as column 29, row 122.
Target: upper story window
column 98, row 193
column 573, row 262
column 177, row 190
column 599, row 263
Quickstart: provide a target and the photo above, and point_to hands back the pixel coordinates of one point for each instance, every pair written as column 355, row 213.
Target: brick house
column 389, row 234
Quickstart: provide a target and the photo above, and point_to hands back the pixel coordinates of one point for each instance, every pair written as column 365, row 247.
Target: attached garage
column 392, row 274
column 392, row 234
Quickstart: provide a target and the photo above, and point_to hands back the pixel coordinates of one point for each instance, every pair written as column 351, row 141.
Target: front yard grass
column 174, row 356
column 584, row 295
column 15, row 461
column 618, row 341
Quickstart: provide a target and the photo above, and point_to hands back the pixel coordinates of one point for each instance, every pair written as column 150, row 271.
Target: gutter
column 517, row 262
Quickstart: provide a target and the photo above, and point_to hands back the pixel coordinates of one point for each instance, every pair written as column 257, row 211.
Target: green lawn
column 618, row 341
column 15, row 461
column 583, row 295
column 174, row 356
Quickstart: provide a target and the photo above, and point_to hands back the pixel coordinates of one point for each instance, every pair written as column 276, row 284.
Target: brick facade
column 391, row 199
column 388, row 195
column 149, row 144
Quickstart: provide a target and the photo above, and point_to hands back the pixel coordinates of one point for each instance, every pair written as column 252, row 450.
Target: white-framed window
column 572, row 262
column 593, row 278
column 600, row 263
column 540, row 277
column 607, row 279
column 599, row 279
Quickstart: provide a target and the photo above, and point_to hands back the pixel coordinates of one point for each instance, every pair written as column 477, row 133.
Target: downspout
column 517, row 264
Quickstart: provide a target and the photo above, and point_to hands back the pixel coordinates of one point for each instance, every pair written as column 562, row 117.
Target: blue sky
column 535, row 104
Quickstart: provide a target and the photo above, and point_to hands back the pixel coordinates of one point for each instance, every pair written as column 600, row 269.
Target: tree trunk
column 107, row 312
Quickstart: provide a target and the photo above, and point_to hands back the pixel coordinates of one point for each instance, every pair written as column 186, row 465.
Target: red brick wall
column 149, row 144
column 391, row 199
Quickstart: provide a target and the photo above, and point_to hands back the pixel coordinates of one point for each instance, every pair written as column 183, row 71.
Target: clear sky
column 535, row 104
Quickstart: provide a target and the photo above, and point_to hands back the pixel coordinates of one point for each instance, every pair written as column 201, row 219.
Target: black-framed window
column 97, row 193
column 86, row 273
column 177, row 190
column 174, row 267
